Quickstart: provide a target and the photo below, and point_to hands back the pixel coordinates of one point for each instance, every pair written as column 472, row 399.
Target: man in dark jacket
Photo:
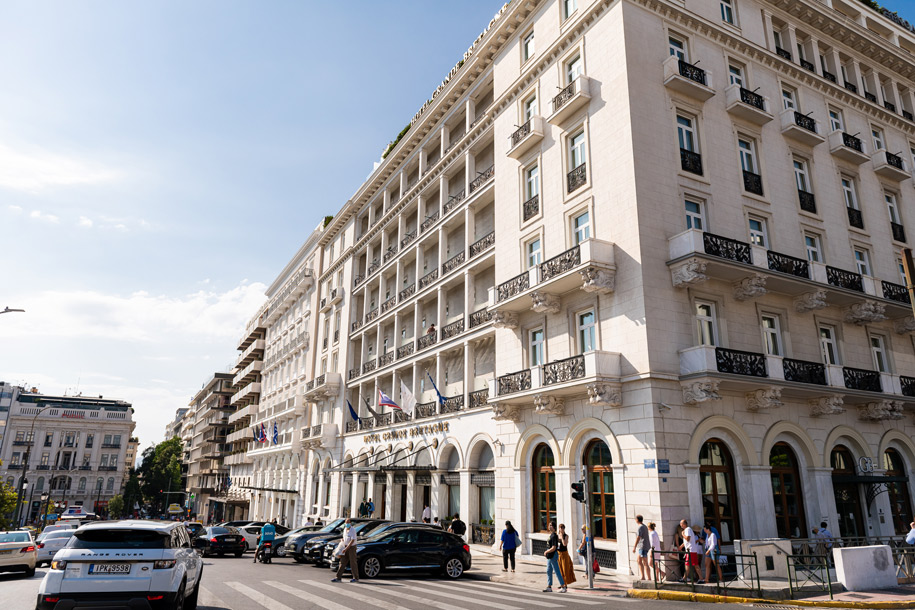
column 457, row 526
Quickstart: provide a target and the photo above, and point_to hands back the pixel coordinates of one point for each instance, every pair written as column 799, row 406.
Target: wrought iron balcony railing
column 577, row 177
column 807, row 65
column 783, row 263
column 514, row 382
column 353, row 373
column 870, row 97
column 483, row 244
column 561, row 263
column 740, row 363
column 426, row 409
column 388, row 305
column 889, row 105
column 803, row 371
column 752, row 183
column 851, row 87
column 453, row 404
column 514, row 286
column 898, row 231
column 386, row 359
column 483, row 178
column 564, row 370
column 452, row 330
column 480, row 317
column 851, row 141
column 844, row 279
column 693, row 73
column 895, row 292
column 861, row 379
column 427, row 279
column 480, row 398
column 407, row 292
column 453, row 263
column 564, row 96
column 390, row 252
column 895, row 161
column 753, row 99
column 520, row 133
column 427, row 340
column 829, row 76
column 725, row 247
column 405, row 350
column 407, row 239
column 691, row 161
column 907, row 115
column 430, row 220
column 530, row 208
column 908, row 385
column 783, row 53
column 855, row 218
column 454, row 200
column 370, row 316
column 368, row 367
column 807, row 201
column 804, row 121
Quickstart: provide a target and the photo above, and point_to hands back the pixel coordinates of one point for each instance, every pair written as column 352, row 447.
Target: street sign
column 50, row 517
column 663, row 466
column 649, row 464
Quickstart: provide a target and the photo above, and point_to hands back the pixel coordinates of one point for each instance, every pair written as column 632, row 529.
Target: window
column 530, row 108
column 862, row 261
column 104, row 460
column 747, row 155
column 677, row 48
column 900, row 501
column 544, row 488
column 687, row 134
column 574, row 69
column 527, row 46
column 105, row 441
column 531, row 182
column 891, row 207
column 694, row 215
column 850, row 192
column 581, row 228
column 812, row 243
column 17, row 458
column 719, row 494
column 735, row 75
column 45, row 458
column 878, row 138
column 577, row 154
column 110, row 486
column 48, row 439
column 534, row 253
column 772, row 340
column 706, row 323
column 536, row 347
column 789, row 98
column 847, row 495
column 587, row 337
column 786, row 492
column 599, row 464
column 878, row 351
column 727, row 11
column 99, row 482
column 568, row 8
column 89, row 440
column 801, row 54
column 801, row 176
column 758, row 232
column 82, row 484
column 828, row 345
column 836, row 121
column 901, row 269
column 777, row 37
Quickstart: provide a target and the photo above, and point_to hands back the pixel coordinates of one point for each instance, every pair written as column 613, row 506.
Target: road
column 239, row 584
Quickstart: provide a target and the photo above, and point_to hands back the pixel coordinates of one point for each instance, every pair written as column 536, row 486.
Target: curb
column 683, row 596
column 604, row 591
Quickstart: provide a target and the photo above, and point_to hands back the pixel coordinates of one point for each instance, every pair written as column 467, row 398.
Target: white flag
column 407, row 400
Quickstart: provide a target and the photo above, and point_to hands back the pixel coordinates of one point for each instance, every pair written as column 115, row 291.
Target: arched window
column 110, row 484
column 847, row 493
column 82, row 484
column 719, row 493
column 39, row 485
column 544, row 488
column 786, row 492
column 900, row 501
column 99, row 482
column 600, row 485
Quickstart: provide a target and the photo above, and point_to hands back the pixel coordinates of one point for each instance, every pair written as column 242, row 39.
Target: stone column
column 465, row 500
column 437, row 503
column 768, row 28
column 824, row 491
column 759, row 509
column 791, row 35
column 411, row 497
column 389, row 497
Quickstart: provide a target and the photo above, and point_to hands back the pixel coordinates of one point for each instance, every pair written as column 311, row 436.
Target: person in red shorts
column 691, row 547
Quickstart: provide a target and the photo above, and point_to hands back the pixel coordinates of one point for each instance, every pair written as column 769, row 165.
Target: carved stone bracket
column 810, row 301
column 504, row 319
column 882, row 410
column 750, row 287
column 905, row 325
column 503, row 412
column 596, row 279
column 604, row 395
column 826, row 405
column 863, row 313
column 689, row 272
column 697, row 392
column 764, row 398
column 549, row 405
column 545, row 302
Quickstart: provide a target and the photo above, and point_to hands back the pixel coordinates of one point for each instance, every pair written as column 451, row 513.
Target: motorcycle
column 264, row 552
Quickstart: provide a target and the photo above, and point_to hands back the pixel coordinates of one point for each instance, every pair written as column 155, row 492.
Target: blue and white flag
column 276, row 434
column 386, row 401
column 441, row 399
column 352, row 411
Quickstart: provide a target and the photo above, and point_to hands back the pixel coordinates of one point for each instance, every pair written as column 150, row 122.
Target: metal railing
column 808, row 570
column 738, row 571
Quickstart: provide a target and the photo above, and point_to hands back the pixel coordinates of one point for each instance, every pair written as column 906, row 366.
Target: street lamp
column 44, row 500
column 25, row 488
column 8, row 310
column 28, row 454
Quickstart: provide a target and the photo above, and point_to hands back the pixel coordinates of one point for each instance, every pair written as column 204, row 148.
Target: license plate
column 109, row 568
column 231, row 539
column 5, row 552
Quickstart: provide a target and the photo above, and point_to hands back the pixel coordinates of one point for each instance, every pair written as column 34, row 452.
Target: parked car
column 57, row 527
column 279, row 544
column 411, row 549
column 235, row 523
column 49, row 544
column 18, row 552
column 219, row 541
column 295, row 545
column 314, row 548
column 252, row 533
column 91, row 570
column 194, row 528
column 333, row 562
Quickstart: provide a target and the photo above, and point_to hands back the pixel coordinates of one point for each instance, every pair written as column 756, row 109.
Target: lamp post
column 28, row 454
column 28, row 513
column 25, row 488
column 45, row 498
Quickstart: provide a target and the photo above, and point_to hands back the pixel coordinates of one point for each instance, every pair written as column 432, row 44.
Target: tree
column 133, row 492
column 7, row 505
column 116, row 506
column 160, row 472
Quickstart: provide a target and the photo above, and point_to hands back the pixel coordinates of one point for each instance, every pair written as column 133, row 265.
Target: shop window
column 719, row 493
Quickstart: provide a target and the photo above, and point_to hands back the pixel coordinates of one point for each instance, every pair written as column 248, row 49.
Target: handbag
column 339, row 550
column 517, row 539
column 595, row 567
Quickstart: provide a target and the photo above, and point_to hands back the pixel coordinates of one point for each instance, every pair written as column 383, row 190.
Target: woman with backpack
column 508, row 545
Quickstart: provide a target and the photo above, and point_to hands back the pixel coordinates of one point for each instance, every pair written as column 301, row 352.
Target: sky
column 160, row 162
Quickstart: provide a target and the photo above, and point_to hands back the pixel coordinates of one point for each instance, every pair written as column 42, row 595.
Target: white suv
column 135, row 564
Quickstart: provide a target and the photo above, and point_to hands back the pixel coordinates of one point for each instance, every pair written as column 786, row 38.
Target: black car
column 415, row 548
column 314, row 548
column 295, row 545
column 333, row 562
column 219, row 541
column 279, row 543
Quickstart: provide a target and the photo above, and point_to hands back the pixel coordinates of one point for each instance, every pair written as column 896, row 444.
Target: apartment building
column 649, row 243
column 173, row 428
column 130, row 458
column 205, row 430
column 71, row 447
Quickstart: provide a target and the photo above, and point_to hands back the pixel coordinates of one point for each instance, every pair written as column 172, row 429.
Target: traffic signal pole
column 589, row 539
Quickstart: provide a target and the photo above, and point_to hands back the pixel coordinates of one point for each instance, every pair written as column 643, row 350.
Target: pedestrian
column 825, row 535
column 552, row 558
column 371, row 508
column 691, row 549
column 437, row 523
column 585, row 543
column 308, row 521
column 642, row 546
column 362, row 509
column 347, row 553
column 427, row 514
column 910, row 537
column 508, row 545
column 565, row 562
column 656, row 547
column 712, row 553
column 457, row 526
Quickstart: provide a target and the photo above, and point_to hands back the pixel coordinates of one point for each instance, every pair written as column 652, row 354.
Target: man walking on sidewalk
column 642, row 546
column 348, row 553
column 690, row 547
column 552, row 557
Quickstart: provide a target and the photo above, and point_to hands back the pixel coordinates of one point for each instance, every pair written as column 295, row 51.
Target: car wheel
column 239, row 553
column 298, row 558
column 220, row 553
column 454, row 568
column 30, row 572
column 179, row 596
column 370, row 567
column 191, row 602
column 280, row 551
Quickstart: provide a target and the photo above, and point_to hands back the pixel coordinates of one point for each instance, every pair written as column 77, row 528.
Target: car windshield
column 118, row 539
column 366, row 527
column 332, row 526
column 14, row 537
column 217, row 531
column 58, row 534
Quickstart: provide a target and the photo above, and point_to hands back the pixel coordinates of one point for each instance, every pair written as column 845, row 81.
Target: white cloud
column 39, row 215
column 15, row 209
column 84, row 222
column 36, row 170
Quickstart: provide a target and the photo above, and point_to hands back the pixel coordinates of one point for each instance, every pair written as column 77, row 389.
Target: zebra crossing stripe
column 459, row 590
column 349, row 590
column 518, row 591
column 263, row 600
column 309, row 596
column 208, row 598
column 429, row 589
column 403, row 596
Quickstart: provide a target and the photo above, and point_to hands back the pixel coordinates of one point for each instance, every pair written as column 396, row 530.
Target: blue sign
column 663, row 466
column 50, row 517
column 649, row 464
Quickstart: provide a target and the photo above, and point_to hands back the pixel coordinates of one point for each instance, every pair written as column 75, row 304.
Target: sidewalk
column 902, row 596
column 532, row 575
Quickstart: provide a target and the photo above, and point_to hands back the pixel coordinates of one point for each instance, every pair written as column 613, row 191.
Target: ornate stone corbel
column 863, row 313
column 881, row 410
column 544, row 302
column 503, row 412
column 905, row 325
column 697, row 392
column 689, row 272
column 549, row 405
column 604, row 395
column 750, row 287
column 595, row 279
column 764, row 398
column 810, row 301
column 504, row 319
column 826, row 405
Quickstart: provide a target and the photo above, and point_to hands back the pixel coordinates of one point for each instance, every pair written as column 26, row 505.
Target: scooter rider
column 268, row 534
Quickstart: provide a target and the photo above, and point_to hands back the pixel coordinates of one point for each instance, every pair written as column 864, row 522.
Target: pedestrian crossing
column 385, row 594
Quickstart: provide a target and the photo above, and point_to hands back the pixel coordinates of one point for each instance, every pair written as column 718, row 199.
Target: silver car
column 51, row 542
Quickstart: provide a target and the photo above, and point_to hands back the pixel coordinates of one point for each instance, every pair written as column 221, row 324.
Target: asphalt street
column 239, row 584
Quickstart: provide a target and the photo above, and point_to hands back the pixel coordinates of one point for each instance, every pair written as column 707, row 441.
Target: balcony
column 251, row 353
column 453, row 263
column 526, row 137
column 426, row 340
column 249, row 392
column 577, row 178
column 568, row 101
column 908, row 115
column 588, row 266
column 690, row 161
column 406, row 350
column 369, row 365
column 847, row 147
column 807, row 65
column 890, row 166
column 898, row 231
column 407, row 292
column 747, row 105
column 385, row 359
column 249, row 373
column 483, row 244
column 426, row 280
column 321, row 436
column 855, row 219
column 242, row 413
column 482, row 178
column 407, row 239
column 687, row 79
column 452, row 330
column 595, row 373
column 530, row 208
column 390, row 253
column 783, row 53
column 430, row 220
column 830, row 76
column 388, row 305
column 870, row 97
column 851, row 87
column 895, row 292
column 800, row 128
column 807, row 201
column 478, row 318
column 889, row 106
column 458, row 197
column 118, row 445
column 752, row 182
column 326, row 386
column 371, row 315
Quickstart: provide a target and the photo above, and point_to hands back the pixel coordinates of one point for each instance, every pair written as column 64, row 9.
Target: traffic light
column 579, row 493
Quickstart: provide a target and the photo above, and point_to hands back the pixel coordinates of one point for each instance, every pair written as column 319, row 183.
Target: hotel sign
column 393, row 435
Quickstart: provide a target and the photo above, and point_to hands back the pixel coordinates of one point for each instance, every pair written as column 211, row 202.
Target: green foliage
column 160, row 471
column 327, row 220
column 133, row 494
column 116, row 506
column 396, row 141
column 7, row 505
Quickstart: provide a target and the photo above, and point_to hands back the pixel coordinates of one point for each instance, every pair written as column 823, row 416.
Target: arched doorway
column 900, row 501
column 599, row 463
column 719, row 492
column 787, row 495
column 544, row 487
column 846, row 492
